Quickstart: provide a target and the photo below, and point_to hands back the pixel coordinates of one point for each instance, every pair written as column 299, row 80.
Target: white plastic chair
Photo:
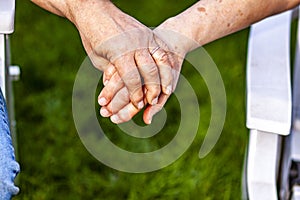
column 7, row 14
column 8, row 73
column 269, row 111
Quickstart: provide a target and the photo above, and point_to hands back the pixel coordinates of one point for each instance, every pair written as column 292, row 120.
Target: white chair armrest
column 7, row 15
column 262, row 165
column 269, row 103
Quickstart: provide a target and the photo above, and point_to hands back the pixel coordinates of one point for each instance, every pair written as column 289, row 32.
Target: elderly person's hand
column 112, row 37
column 120, row 109
column 127, row 44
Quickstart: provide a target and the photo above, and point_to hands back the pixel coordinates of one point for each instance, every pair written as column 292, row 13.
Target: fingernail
column 154, row 101
column 115, row 119
column 104, row 112
column 169, row 90
column 102, row 101
column 145, row 90
column 149, row 120
column 140, row 104
column 105, row 82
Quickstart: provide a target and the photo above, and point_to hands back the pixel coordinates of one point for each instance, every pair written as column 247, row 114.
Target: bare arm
column 55, row 6
column 208, row 20
column 204, row 22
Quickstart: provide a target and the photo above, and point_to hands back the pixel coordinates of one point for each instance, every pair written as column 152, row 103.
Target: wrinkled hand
column 120, row 109
column 113, row 38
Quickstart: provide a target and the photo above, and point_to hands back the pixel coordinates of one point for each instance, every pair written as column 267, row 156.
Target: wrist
column 178, row 38
column 94, row 19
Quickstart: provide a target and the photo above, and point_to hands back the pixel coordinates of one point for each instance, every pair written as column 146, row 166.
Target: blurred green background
column 54, row 162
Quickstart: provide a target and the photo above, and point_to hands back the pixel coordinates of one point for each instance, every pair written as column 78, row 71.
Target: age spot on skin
column 240, row 13
column 201, row 9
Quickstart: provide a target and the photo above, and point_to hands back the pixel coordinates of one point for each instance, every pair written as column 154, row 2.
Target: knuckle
column 109, row 108
column 123, row 96
column 133, row 85
column 124, row 116
column 112, row 107
column 166, row 74
column 108, row 92
column 105, row 93
column 166, row 68
column 136, row 96
column 166, row 81
column 153, row 89
column 163, row 57
column 119, row 101
column 141, row 52
column 110, row 71
column 152, row 71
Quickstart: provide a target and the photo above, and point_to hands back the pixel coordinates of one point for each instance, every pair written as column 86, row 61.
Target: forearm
column 58, row 7
column 69, row 8
column 92, row 16
column 208, row 20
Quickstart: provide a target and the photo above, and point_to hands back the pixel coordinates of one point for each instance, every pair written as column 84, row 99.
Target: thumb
column 151, row 110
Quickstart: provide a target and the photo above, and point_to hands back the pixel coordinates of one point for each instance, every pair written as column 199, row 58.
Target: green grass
column 54, row 162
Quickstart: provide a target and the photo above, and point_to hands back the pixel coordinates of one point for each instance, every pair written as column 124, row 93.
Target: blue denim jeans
column 9, row 168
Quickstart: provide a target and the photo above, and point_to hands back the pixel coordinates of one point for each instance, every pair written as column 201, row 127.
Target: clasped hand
column 140, row 69
column 141, row 74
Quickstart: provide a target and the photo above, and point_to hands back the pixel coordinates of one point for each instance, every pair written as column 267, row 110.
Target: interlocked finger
column 108, row 73
column 129, row 73
column 110, row 89
column 161, row 59
column 125, row 114
column 150, row 74
column 151, row 110
column 120, row 100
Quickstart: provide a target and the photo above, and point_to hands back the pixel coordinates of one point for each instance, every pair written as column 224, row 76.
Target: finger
column 120, row 100
column 151, row 110
column 110, row 89
column 108, row 73
column 120, row 105
column 129, row 73
column 165, row 70
column 125, row 114
column 104, row 112
column 176, row 63
column 149, row 72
